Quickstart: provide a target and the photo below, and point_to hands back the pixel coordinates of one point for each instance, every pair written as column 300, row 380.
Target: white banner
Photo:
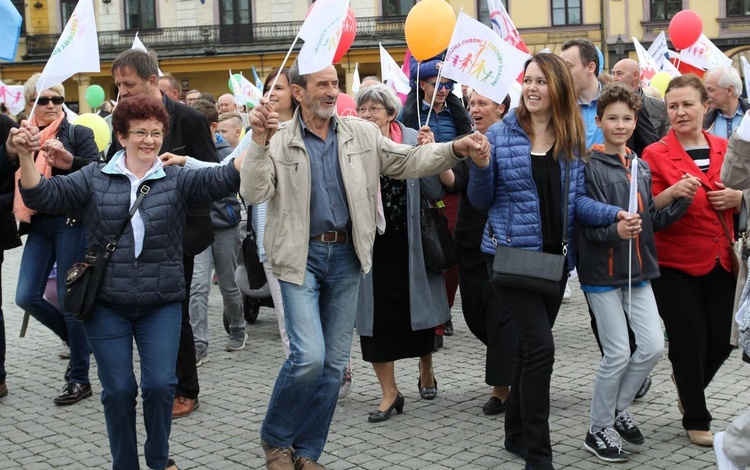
column 745, row 72
column 659, row 49
column 12, row 96
column 76, row 51
column 321, row 31
column 704, row 55
column 503, row 25
column 356, row 82
column 481, row 59
column 391, row 73
column 646, row 62
column 244, row 91
column 138, row 44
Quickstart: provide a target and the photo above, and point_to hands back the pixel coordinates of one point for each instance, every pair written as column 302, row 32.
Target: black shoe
column 73, row 393
column 626, row 428
column 378, row 415
column 448, row 328
column 494, row 406
column 606, row 445
column 66, row 377
column 438, row 343
column 428, row 393
column 514, row 449
column 3, row 390
column 645, row 387
column 170, row 465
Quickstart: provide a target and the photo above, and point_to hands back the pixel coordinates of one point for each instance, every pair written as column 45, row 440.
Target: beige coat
column 280, row 174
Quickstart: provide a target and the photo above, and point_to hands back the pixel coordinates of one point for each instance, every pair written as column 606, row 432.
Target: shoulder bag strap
column 566, row 194
column 141, row 194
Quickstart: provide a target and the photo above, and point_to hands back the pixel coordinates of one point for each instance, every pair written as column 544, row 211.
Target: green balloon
column 95, row 96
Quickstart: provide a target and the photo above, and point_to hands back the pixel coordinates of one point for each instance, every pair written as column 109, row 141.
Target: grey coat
column 428, row 301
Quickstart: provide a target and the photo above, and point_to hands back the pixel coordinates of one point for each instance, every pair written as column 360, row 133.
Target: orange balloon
column 429, row 27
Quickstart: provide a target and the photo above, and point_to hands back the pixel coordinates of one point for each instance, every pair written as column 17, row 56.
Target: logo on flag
column 646, row 62
column 12, row 96
column 321, row 31
column 244, row 92
column 503, row 25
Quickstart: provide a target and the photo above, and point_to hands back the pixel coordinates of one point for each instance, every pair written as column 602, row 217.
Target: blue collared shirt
column 594, row 133
column 724, row 125
column 328, row 206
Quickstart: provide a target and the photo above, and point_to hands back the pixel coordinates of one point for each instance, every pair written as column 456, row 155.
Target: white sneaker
column 567, row 293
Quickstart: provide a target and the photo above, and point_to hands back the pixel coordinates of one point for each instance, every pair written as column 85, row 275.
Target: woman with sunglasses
column 53, row 237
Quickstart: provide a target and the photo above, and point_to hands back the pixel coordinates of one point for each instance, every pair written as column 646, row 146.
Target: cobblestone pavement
column 448, row 433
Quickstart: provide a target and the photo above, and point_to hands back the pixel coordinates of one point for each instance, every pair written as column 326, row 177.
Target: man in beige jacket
column 320, row 176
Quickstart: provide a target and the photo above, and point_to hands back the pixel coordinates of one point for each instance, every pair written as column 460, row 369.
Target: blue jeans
column 320, row 322
column 156, row 330
column 51, row 240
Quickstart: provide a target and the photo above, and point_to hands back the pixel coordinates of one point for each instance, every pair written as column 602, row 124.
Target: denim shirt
column 329, row 209
column 724, row 125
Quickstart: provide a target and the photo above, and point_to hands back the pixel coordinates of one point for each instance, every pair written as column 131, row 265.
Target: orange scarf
column 23, row 213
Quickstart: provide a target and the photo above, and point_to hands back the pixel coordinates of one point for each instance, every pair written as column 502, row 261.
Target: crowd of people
column 335, row 205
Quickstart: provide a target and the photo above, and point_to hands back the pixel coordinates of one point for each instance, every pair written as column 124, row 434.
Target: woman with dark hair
column 143, row 287
column 522, row 187
column 400, row 301
column 53, row 237
column 695, row 293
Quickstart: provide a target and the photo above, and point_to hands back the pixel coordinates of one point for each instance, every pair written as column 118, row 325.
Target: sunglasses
column 44, row 100
column 448, row 86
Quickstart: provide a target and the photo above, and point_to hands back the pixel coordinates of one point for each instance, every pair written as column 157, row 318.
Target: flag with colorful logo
column 659, row 49
column 503, row 25
column 481, row 59
column 647, row 63
column 12, row 96
column 76, row 51
column 392, row 74
column 704, row 55
column 10, row 25
column 244, row 91
column 321, row 31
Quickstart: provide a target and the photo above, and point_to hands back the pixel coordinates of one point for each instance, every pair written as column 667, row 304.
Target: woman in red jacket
column 695, row 293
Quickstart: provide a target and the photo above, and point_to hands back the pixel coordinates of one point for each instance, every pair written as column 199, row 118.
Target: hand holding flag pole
column 632, row 209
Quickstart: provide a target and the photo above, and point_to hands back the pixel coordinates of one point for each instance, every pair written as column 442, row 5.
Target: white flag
column 659, row 49
column 392, row 74
column 633, row 202
column 481, row 59
column 646, row 62
column 667, row 66
column 356, row 82
column 321, row 31
column 76, row 51
column 137, row 44
column 244, row 91
column 503, row 25
column 746, row 72
column 12, row 96
column 704, row 55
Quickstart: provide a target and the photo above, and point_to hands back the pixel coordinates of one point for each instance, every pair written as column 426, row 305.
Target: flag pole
column 33, row 108
column 283, row 63
column 419, row 104
column 434, row 92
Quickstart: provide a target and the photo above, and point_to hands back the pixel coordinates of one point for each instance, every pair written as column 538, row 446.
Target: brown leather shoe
column 701, row 438
column 303, row 463
column 3, row 390
column 184, row 406
column 278, row 458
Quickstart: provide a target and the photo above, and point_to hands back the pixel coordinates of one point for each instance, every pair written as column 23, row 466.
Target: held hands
column 57, row 156
column 264, row 121
column 685, row 188
column 476, row 146
column 628, row 225
column 24, row 140
column 425, row 136
column 724, row 198
column 169, row 159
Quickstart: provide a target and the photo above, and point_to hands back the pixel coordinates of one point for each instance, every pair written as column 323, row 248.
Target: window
column 566, row 12
column 664, row 9
column 19, row 4
column 66, row 9
column 397, row 7
column 483, row 11
column 738, row 7
column 140, row 14
column 236, row 21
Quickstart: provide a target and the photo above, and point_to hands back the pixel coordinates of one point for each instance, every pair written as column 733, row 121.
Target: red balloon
column 345, row 105
column 685, row 29
column 347, row 35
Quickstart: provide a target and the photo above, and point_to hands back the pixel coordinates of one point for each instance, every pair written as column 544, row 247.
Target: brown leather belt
column 332, row 237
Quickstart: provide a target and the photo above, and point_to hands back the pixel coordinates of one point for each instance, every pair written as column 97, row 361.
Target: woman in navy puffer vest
column 521, row 186
column 143, row 287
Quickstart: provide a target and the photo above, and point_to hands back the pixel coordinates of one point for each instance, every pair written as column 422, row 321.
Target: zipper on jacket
column 611, row 262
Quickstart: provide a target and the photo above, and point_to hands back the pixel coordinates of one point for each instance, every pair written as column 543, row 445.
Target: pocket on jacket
column 171, row 277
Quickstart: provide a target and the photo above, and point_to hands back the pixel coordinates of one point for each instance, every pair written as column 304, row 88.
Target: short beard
column 319, row 112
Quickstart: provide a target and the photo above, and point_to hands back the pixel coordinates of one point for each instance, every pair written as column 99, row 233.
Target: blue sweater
column 506, row 189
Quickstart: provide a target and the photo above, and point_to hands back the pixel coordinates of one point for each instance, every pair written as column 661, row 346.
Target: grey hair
column 728, row 76
column 380, row 94
column 29, row 88
column 295, row 78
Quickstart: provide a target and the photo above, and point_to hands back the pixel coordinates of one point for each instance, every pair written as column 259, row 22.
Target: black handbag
column 256, row 275
column 534, row 271
column 439, row 249
column 83, row 279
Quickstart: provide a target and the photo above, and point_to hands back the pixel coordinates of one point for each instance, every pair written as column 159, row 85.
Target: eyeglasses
column 44, row 100
column 448, row 86
column 369, row 109
column 141, row 134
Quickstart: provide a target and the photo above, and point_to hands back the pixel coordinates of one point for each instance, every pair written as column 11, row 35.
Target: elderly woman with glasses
column 53, row 237
column 400, row 301
column 141, row 294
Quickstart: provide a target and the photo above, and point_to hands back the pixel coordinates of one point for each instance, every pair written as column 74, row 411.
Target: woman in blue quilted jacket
column 521, row 186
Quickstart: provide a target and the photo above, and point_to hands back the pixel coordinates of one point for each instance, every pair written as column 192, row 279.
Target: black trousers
column 187, row 371
column 527, row 415
column 697, row 313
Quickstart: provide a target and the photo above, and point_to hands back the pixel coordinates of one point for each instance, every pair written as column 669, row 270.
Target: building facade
column 200, row 41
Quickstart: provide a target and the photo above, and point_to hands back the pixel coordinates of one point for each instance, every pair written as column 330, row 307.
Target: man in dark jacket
column 8, row 235
column 136, row 72
column 628, row 72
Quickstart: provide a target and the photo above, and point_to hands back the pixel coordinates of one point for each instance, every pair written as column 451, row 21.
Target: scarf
column 23, row 213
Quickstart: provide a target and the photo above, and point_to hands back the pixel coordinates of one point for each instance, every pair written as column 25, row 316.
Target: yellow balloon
column 96, row 123
column 429, row 27
column 660, row 81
